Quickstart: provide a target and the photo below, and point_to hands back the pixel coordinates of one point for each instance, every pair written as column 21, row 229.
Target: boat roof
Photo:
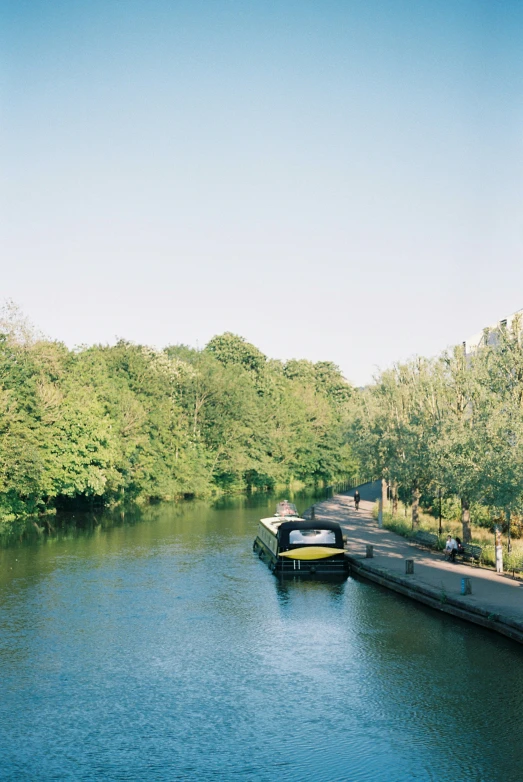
column 273, row 522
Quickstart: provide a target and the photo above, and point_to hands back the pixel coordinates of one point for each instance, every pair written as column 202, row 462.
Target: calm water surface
column 165, row 650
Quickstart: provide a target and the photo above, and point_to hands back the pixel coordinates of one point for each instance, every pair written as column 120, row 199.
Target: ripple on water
column 160, row 657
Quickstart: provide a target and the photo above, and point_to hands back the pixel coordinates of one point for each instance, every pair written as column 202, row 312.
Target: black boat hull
column 336, row 565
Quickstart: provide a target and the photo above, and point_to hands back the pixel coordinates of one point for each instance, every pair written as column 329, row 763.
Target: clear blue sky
column 331, row 180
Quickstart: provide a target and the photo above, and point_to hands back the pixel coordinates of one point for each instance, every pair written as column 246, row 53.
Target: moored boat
column 292, row 544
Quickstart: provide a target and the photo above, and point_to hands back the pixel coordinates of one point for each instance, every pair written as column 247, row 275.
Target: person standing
column 356, row 499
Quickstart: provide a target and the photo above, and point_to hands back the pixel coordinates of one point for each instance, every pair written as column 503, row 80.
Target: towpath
column 496, row 601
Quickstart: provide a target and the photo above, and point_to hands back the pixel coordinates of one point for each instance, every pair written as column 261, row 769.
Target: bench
column 471, row 552
column 427, row 539
column 516, row 567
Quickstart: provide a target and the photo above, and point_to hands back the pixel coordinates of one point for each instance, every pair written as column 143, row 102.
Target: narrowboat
column 294, row 545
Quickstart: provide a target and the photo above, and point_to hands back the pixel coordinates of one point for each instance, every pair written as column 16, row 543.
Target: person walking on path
column 356, row 499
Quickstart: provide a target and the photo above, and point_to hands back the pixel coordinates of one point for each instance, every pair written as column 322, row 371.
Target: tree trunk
column 383, row 494
column 499, row 551
column 394, row 498
column 507, row 518
column 415, row 507
column 465, row 521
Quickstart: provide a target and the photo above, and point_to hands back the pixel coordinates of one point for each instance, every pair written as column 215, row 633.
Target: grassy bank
column 401, row 524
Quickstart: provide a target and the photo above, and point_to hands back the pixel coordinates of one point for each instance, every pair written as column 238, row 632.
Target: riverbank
column 496, row 602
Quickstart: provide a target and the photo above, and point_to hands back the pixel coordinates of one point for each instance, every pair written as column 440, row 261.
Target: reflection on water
column 157, row 647
column 295, row 590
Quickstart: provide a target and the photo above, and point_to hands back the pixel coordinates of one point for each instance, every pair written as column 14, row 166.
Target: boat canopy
column 286, row 508
column 304, row 533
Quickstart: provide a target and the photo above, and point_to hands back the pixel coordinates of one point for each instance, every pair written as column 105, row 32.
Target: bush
column 398, row 525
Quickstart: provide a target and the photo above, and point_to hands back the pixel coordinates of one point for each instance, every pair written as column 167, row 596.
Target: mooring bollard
column 409, row 567
column 370, row 551
column 466, row 586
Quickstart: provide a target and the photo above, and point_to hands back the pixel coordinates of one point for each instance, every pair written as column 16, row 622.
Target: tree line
column 450, row 427
column 128, row 422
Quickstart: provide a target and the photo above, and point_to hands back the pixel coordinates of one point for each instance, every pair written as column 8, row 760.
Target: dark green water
column 165, row 650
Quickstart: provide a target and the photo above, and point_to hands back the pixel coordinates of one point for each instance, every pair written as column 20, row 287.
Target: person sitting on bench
column 451, row 549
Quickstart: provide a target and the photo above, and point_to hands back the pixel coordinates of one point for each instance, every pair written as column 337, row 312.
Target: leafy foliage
column 130, row 422
column 452, row 426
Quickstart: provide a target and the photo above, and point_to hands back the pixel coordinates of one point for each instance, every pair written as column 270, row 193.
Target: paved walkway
column 496, row 601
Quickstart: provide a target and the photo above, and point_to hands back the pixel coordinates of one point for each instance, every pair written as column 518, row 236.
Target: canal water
column 159, row 647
